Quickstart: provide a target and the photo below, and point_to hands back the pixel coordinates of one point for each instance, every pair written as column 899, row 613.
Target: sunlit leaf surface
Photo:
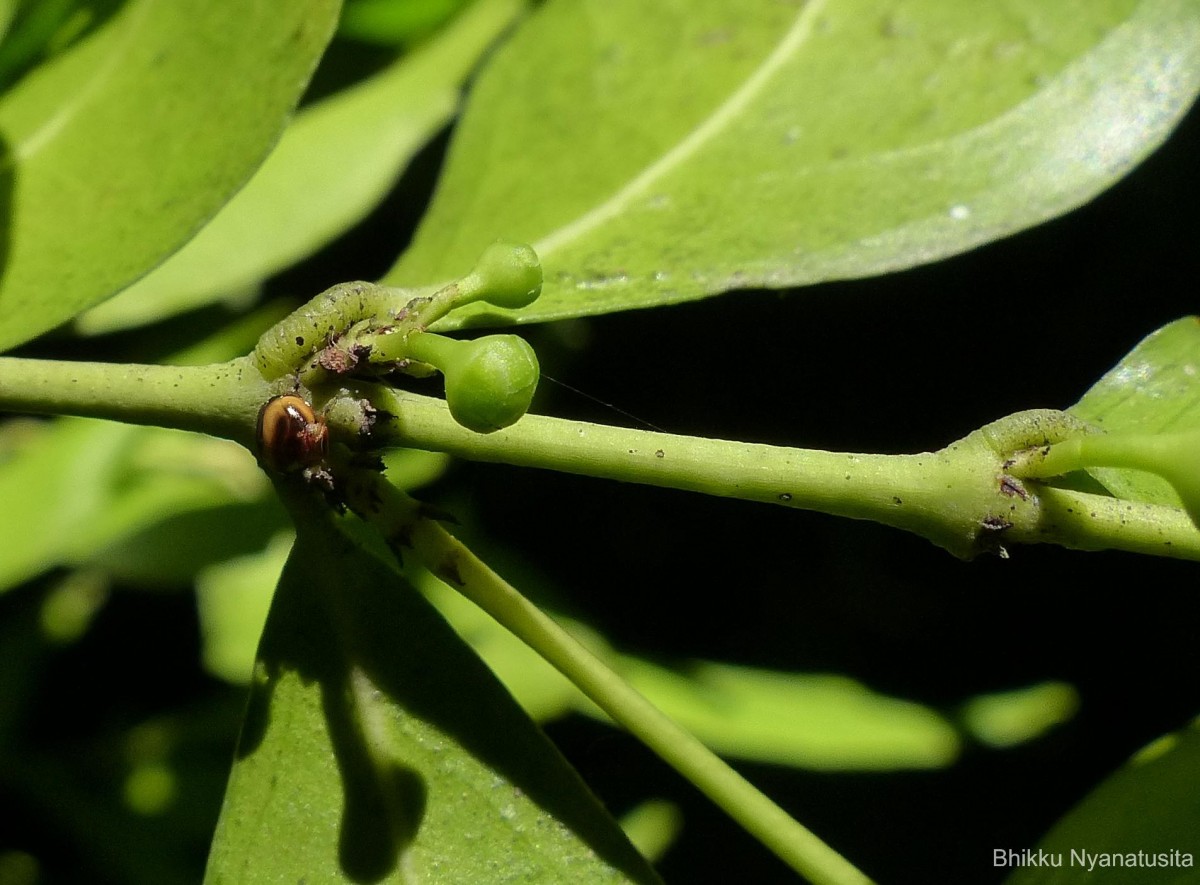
column 333, row 165
column 1155, row 387
column 109, row 157
column 655, row 153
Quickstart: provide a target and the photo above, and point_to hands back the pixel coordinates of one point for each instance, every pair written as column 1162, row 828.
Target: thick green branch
column 221, row 400
column 961, row 497
column 968, row 497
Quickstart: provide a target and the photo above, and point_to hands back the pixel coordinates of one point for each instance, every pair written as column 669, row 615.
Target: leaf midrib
column 25, row 148
column 702, row 134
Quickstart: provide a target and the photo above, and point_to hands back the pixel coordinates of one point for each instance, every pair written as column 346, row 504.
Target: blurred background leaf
column 335, row 162
column 111, row 156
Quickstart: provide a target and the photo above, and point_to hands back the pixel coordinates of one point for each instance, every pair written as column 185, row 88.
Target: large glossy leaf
column 1140, row 825
column 332, row 166
column 659, row 152
column 378, row 748
column 1153, row 388
column 116, row 150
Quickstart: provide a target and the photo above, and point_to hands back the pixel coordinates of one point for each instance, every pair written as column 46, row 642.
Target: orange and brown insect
column 291, row 436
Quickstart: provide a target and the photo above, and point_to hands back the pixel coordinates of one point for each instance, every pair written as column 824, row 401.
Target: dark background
column 901, row 363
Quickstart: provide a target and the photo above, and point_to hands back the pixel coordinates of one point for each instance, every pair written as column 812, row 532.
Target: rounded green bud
column 506, row 275
column 489, row 381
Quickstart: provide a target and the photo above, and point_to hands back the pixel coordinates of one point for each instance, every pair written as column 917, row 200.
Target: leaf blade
column 1146, row 808
column 1152, row 389
column 112, row 159
column 334, row 163
column 788, row 170
column 369, row 755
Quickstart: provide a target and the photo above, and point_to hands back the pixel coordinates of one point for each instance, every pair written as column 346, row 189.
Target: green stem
column 967, row 497
column 397, row 517
column 908, row 491
column 221, row 399
column 962, row 497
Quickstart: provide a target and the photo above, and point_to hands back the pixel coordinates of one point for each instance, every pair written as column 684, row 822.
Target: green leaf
column 73, row 487
column 377, row 747
column 1008, row 718
column 806, row 720
column 656, row 153
column 395, row 22
column 1153, row 388
column 119, row 148
column 333, row 165
column 653, row 826
column 233, row 599
column 7, row 8
column 1138, row 826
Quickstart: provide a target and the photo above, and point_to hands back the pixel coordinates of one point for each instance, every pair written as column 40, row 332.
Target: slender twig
column 400, row 521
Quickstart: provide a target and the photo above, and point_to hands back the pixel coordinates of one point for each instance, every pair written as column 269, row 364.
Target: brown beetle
column 291, row 436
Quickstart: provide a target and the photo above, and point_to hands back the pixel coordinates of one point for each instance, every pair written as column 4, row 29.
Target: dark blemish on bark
column 401, row 537
column 660, row 454
column 428, row 511
column 448, row 572
column 995, row 524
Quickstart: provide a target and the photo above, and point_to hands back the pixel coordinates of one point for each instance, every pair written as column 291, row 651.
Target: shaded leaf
column 7, row 8
column 806, row 720
column 75, row 486
column 395, row 22
column 1153, row 388
column 232, row 599
column 1146, row 813
column 333, row 165
column 110, row 154
column 1005, row 719
column 653, row 826
column 377, row 746
column 655, row 153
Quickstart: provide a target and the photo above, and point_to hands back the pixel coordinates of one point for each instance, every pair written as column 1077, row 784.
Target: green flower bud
column 506, row 275
column 489, row 381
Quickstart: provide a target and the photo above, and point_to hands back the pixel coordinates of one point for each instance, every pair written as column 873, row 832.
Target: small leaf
column 1140, row 825
column 656, row 153
column 1005, row 719
column 378, row 747
column 120, row 147
column 807, row 720
column 333, row 165
column 1155, row 387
